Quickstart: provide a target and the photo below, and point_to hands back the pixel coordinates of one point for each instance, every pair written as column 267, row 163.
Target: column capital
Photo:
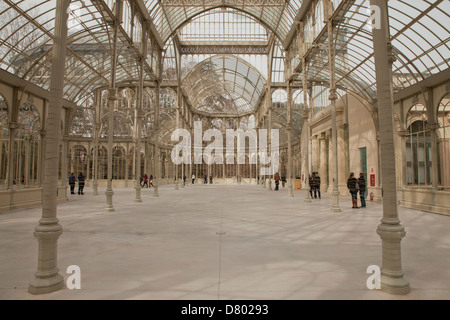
column 333, row 96
column 112, row 94
column 13, row 125
column 42, row 132
column 401, row 133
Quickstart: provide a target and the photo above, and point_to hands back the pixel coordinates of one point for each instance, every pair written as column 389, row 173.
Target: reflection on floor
column 223, row 242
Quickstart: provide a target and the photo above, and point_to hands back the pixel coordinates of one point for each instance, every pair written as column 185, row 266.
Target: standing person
column 362, row 189
column 311, row 186
column 205, row 179
column 210, row 179
column 316, row 182
column 80, row 183
column 193, row 178
column 141, row 179
column 184, row 180
column 277, row 180
column 72, row 183
column 352, row 187
column 283, row 181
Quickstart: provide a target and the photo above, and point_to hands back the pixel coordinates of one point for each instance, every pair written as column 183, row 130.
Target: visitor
column 184, row 180
column 316, row 182
column 277, row 181
column 145, row 183
column 283, row 181
column 362, row 189
column 210, row 179
column 352, row 187
column 311, row 186
column 150, row 182
column 193, row 178
column 80, row 183
column 205, row 179
column 72, row 183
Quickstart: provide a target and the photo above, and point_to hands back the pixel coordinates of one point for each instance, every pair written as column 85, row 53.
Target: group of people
column 356, row 185
column 73, row 180
column 314, row 185
column 205, row 179
column 146, row 181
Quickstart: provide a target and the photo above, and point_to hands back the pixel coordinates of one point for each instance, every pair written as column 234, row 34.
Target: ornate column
column 289, row 149
column 10, row 165
column 112, row 100
column 47, row 278
column 333, row 97
column 323, row 161
column 157, row 174
column 177, row 119
column 95, row 160
column 390, row 230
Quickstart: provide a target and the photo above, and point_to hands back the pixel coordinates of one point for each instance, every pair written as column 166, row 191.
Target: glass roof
column 420, row 35
column 276, row 15
column 419, row 31
column 224, row 84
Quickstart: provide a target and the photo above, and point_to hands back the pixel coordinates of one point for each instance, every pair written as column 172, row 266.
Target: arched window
column 102, row 159
column 27, row 146
column 418, row 147
column 79, row 160
column 443, row 138
column 279, row 99
column 119, row 162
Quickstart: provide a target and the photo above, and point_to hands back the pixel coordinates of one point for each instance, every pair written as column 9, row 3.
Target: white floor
column 223, row 242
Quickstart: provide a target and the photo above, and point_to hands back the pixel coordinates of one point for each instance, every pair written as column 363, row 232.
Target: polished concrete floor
column 223, row 242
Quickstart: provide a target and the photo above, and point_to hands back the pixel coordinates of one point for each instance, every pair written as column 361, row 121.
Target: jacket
column 316, row 181
column 362, row 184
column 351, row 184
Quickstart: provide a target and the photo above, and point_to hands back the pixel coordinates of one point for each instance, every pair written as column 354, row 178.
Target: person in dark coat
column 316, row 183
column 80, row 183
column 351, row 185
column 72, row 183
column 311, row 186
column 362, row 189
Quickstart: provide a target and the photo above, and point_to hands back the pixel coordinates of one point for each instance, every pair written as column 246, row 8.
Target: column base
column 395, row 285
column 95, row 189
column 109, row 204
column 46, row 285
column 335, row 207
column 176, row 186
